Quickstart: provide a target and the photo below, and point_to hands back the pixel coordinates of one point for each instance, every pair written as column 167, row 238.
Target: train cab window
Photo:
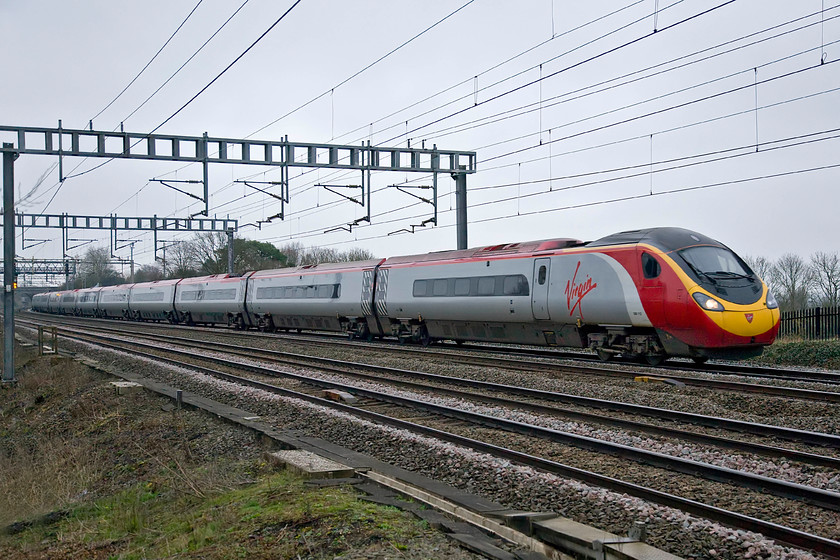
column 541, row 275
column 650, row 266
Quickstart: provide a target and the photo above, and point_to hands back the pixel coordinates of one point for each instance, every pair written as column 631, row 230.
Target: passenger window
column 439, row 287
column 541, row 275
column 516, row 285
column 462, row 286
column 419, row 288
column 650, row 266
column 486, row 285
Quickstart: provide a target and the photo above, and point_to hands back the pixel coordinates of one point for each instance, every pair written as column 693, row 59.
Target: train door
column 651, row 288
column 539, row 294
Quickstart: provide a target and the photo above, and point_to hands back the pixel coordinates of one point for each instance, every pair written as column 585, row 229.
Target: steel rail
column 765, row 430
column 827, row 377
column 780, row 533
column 818, row 497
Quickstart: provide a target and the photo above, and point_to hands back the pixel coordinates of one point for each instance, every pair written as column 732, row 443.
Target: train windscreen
column 715, row 261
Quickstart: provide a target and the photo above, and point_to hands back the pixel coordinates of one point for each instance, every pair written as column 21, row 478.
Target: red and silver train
column 648, row 294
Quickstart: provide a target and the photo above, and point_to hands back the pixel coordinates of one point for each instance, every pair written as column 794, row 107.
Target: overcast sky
column 709, row 107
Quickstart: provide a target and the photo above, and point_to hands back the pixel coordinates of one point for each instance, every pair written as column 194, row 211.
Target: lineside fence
column 815, row 323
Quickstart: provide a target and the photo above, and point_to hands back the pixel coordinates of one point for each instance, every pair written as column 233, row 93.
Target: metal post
column 205, row 176
column 9, row 158
column 230, row 250
column 132, row 262
column 461, row 206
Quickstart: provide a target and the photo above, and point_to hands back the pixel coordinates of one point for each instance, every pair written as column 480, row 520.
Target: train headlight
column 771, row 300
column 707, row 303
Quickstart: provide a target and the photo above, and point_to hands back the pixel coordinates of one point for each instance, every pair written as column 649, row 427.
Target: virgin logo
column 575, row 292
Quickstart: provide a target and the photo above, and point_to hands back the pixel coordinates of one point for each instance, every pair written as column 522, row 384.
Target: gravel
column 512, row 485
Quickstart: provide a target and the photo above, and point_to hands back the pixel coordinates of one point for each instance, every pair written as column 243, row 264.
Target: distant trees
column 298, row 255
column 798, row 283
column 95, row 269
column 206, row 253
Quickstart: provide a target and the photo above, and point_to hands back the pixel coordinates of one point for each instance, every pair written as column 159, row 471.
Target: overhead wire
column 657, row 112
column 149, row 62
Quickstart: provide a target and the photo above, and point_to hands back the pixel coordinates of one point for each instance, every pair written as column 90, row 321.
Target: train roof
column 665, row 238
column 315, row 268
column 213, row 278
column 489, row 251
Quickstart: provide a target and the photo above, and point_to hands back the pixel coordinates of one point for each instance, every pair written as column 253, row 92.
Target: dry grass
column 89, row 474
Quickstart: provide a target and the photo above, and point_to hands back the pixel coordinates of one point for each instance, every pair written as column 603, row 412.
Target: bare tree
column 357, row 254
column 181, row 261
column 95, row 268
column 293, row 252
column 760, row 265
column 792, row 278
column 826, row 274
column 206, row 250
column 298, row 255
column 148, row 273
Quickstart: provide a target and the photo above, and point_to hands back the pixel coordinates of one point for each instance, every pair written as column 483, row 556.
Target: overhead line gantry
column 63, row 142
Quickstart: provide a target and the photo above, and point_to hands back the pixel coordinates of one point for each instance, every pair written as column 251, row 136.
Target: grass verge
column 807, row 353
column 87, row 473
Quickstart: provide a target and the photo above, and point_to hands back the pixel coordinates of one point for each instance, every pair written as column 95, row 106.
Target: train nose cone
column 750, row 322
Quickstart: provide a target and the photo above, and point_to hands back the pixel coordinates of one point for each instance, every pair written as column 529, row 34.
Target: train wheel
column 655, row 359
column 700, row 359
column 603, row 355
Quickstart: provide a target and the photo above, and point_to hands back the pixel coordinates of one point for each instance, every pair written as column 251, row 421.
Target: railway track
column 353, row 368
column 823, row 499
column 514, row 353
column 493, row 358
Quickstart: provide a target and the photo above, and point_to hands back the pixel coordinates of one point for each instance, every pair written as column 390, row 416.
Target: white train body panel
column 113, row 300
column 86, row 301
column 67, row 302
column 532, row 293
column 593, row 289
column 53, row 302
column 211, row 299
column 41, row 302
column 152, row 300
column 324, row 296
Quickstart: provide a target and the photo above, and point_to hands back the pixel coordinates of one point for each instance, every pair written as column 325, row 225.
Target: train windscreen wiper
column 730, row 274
column 699, row 272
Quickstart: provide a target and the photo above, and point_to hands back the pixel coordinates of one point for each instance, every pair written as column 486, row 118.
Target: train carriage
column 113, row 301
column 41, row 302
column 332, row 297
column 152, row 301
column 67, row 302
column 216, row 299
column 647, row 294
column 86, row 301
column 476, row 294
